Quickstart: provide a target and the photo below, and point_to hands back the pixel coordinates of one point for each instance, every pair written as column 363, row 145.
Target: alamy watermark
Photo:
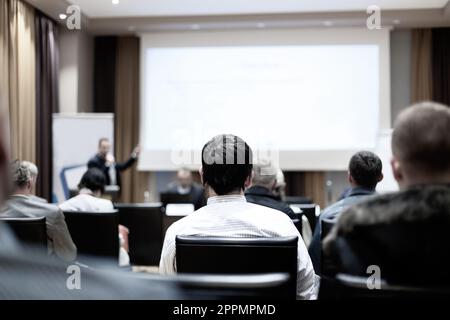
column 374, row 280
column 73, row 17
column 373, row 21
column 73, row 281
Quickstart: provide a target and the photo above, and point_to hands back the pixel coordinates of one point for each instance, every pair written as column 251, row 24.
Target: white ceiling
column 163, row 8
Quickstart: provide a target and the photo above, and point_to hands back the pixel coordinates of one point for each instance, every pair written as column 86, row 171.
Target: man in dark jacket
column 263, row 184
column 105, row 161
column 364, row 173
column 186, row 185
column 403, row 234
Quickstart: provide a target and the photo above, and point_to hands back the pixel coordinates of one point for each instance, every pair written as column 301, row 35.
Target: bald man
column 405, row 234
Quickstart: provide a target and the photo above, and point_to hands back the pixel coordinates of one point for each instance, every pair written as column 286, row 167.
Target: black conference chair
column 310, row 211
column 29, row 231
column 145, row 224
column 95, row 233
column 223, row 287
column 327, row 266
column 298, row 223
column 327, row 225
column 209, row 255
column 297, row 200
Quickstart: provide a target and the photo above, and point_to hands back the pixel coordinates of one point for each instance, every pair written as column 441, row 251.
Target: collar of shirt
column 260, row 191
column 227, row 198
column 86, row 191
column 19, row 196
column 358, row 191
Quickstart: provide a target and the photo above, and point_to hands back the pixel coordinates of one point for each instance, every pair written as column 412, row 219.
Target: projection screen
column 306, row 98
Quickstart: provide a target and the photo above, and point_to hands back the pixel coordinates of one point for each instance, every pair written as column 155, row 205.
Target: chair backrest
column 298, row 223
column 345, row 286
column 220, row 287
column 94, row 233
column 327, row 225
column 145, row 224
column 209, row 255
column 310, row 211
column 30, row 231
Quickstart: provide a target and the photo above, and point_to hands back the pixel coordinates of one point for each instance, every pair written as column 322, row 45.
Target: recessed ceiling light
column 328, row 23
column 131, row 28
column 261, row 25
column 115, row 1
column 396, row 21
column 62, row 16
column 195, row 27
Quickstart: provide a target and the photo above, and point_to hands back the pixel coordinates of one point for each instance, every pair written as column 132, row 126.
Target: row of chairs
column 274, row 260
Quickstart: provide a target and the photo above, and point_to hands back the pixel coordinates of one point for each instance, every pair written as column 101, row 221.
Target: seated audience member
column 405, row 234
column 92, row 186
column 28, row 274
column 262, row 188
column 186, row 185
column 228, row 214
column 364, row 173
column 34, row 174
column 280, row 186
column 20, row 204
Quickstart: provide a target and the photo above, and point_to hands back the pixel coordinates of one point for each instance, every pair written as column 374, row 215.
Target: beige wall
column 76, row 71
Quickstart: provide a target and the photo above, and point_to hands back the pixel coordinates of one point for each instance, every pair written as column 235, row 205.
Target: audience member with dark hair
column 404, row 233
column 364, row 172
column 226, row 172
column 21, row 204
column 92, row 186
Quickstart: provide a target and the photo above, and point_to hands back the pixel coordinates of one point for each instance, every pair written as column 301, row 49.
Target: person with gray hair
column 22, row 204
column 34, row 172
column 262, row 189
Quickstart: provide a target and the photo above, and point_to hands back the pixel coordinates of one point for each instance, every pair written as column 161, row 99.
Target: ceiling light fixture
column 261, row 25
column 328, row 23
column 115, row 2
column 195, row 27
column 396, row 21
column 62, row 16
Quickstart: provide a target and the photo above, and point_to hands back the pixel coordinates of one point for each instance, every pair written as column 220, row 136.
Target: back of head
column 421, row 140
column 226, row 164
column 94, row 180
column 21, row 174
column 365, row 168
column 32, row 168
column 264, row 174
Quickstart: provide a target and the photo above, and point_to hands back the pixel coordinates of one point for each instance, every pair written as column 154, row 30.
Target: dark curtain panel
column 134, row 183
column 47, row 66
column 441, row 65
column 105, row 53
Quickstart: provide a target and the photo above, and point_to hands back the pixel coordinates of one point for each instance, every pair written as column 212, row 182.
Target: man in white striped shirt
column 226, row 172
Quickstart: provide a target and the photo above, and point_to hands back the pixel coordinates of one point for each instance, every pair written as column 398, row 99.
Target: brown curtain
column 307, row 184
column 46, row 99
column 315, row 187
column 134, row 183
column 18, row 82
column 421, row 68
column 441, row 65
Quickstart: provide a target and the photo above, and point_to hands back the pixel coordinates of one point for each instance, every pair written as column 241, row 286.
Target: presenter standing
column 104, row 160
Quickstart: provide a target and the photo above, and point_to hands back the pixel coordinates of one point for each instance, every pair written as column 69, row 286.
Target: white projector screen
column 307, row 99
